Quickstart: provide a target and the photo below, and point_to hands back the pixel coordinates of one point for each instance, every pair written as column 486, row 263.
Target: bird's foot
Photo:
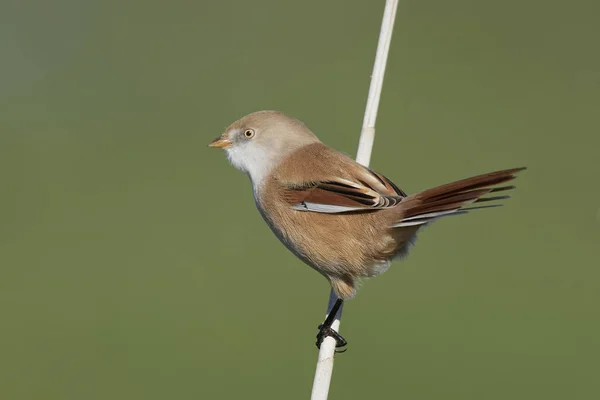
column 325, row 331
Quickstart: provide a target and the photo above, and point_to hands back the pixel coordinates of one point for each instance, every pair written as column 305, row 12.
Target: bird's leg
column 325, row 329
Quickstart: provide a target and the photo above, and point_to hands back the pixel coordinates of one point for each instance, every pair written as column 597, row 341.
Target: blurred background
column 134, row 265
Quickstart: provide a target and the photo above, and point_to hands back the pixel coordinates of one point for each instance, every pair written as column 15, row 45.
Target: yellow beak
column 220, row 143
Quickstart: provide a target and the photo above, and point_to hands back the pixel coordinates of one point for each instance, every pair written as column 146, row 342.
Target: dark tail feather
column 451, row 198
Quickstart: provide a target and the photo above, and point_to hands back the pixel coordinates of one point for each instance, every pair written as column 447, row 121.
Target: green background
column 133, row 264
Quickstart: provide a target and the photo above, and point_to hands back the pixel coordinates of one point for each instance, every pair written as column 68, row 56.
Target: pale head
column 256, row 143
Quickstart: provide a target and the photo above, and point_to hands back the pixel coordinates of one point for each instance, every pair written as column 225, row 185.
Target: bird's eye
column 249, row 133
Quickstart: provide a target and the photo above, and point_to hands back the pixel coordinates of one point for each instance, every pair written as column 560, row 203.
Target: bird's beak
column 220, row 142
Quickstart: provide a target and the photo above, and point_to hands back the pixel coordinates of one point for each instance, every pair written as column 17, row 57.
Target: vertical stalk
column 324, row 368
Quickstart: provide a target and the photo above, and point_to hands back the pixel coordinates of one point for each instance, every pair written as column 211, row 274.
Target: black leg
column 325, row 329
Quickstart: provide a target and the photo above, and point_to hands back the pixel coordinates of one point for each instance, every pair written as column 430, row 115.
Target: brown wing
column 369, row 192
column 319, row 179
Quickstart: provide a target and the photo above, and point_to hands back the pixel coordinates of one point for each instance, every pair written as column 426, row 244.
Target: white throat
column 257, row 163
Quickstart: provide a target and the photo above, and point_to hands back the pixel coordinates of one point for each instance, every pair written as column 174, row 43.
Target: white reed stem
column 320, row 388
column 322, row 381
column 367, row 134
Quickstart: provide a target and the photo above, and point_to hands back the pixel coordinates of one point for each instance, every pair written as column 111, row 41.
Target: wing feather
column 369, row 192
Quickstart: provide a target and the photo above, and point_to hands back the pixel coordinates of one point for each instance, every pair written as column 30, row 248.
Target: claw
column 329, row 331
column 325, row 329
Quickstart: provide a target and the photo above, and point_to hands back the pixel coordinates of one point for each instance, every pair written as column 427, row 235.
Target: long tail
column 452, row 198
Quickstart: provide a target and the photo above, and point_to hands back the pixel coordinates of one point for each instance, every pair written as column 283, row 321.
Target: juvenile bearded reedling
column 344, row 220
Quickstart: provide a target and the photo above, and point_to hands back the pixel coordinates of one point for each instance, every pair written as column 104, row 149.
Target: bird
column 344, row 220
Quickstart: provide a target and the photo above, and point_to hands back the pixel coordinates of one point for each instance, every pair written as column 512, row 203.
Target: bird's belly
column 333, row 244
